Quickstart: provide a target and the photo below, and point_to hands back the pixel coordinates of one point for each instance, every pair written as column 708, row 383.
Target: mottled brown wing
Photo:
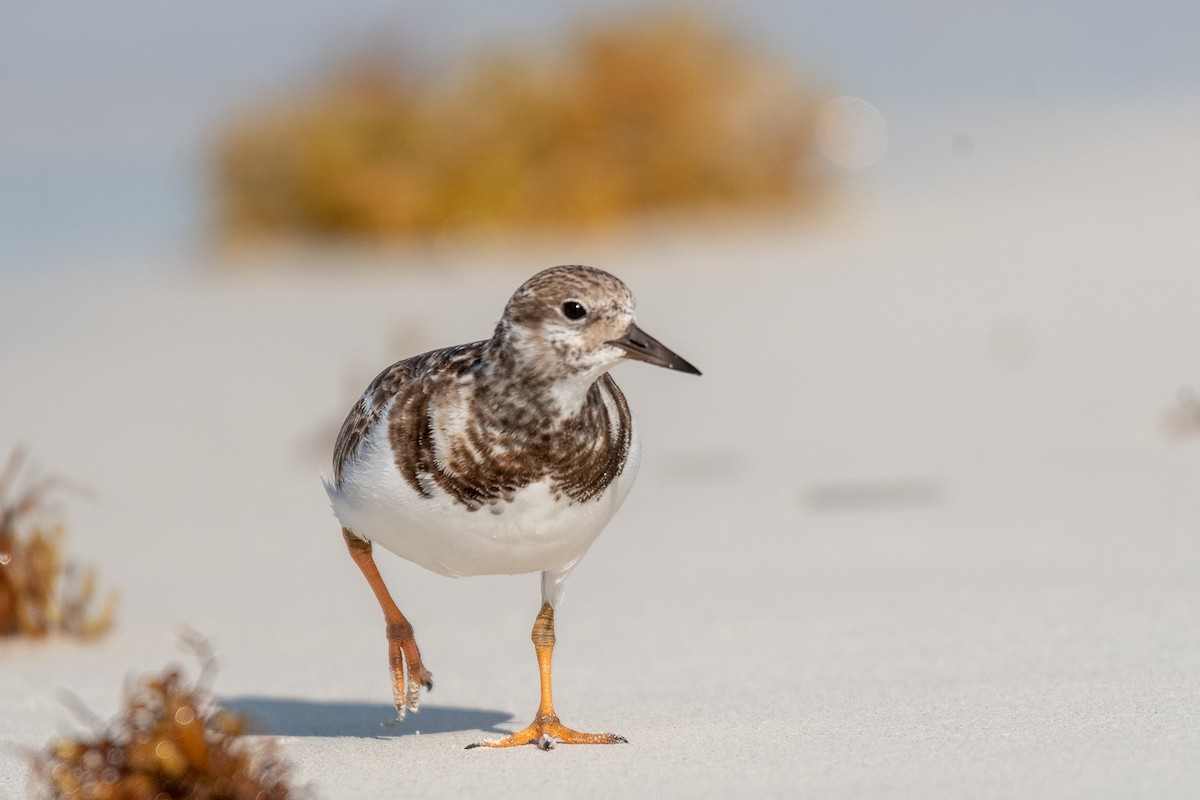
column 398, row 380
column 367, row 411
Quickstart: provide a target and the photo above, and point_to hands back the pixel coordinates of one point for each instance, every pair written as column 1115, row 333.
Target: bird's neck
column 517, row 382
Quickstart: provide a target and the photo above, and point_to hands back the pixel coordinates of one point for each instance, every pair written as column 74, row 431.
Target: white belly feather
column 534, row 532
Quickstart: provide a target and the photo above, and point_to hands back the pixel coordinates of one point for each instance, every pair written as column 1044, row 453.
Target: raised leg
column 545, row 729
column 408, row 673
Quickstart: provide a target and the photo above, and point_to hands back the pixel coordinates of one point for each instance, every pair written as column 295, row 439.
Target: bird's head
column 574, row 323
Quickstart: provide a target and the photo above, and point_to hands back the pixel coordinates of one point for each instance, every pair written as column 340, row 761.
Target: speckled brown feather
column 512, row 439
column 379, row 394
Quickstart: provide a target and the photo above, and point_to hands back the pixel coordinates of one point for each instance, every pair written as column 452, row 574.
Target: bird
column 503, row 456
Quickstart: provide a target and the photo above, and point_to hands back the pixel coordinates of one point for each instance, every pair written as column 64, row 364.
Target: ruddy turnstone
column 504, row 456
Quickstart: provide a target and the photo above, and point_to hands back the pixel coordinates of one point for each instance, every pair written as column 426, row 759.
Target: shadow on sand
column 284, row 716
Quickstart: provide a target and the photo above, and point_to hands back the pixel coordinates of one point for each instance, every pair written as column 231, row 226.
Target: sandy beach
column 919, row 530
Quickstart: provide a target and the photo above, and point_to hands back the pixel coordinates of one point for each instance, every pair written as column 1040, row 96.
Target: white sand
column 917, row 531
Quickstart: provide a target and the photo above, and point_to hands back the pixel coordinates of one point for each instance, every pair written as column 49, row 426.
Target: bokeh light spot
column 851, row 132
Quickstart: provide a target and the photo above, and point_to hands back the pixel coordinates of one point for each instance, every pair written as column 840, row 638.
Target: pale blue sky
column 106, row 108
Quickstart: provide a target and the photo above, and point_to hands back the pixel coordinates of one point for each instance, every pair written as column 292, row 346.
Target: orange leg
column 408, row 673
column 545, row 729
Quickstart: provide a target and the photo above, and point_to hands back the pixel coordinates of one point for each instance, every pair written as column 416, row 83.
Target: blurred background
column 936, row 492
column 124, row 123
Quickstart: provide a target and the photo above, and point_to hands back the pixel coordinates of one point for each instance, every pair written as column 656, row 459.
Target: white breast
column 534, row 532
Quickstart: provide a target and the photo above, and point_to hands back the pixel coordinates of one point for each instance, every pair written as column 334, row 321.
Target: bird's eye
column 573, row 310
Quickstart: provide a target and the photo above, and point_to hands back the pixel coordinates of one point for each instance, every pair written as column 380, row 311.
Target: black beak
column 644, row 347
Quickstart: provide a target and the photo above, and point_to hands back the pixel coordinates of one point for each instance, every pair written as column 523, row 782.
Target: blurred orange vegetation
column 654, row 114
column 35, row 601
column 171, row 740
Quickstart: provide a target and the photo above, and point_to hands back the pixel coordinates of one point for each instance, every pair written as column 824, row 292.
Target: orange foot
column 409, row 676
column 546, row 731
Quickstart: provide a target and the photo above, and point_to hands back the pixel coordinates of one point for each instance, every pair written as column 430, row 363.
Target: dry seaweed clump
column 658, row 113
column 170, row 741
column 40, row 594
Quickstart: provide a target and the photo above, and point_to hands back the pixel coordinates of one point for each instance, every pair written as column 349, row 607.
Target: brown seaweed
column 40, row 592
column 170, row 740
column 642, row 115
